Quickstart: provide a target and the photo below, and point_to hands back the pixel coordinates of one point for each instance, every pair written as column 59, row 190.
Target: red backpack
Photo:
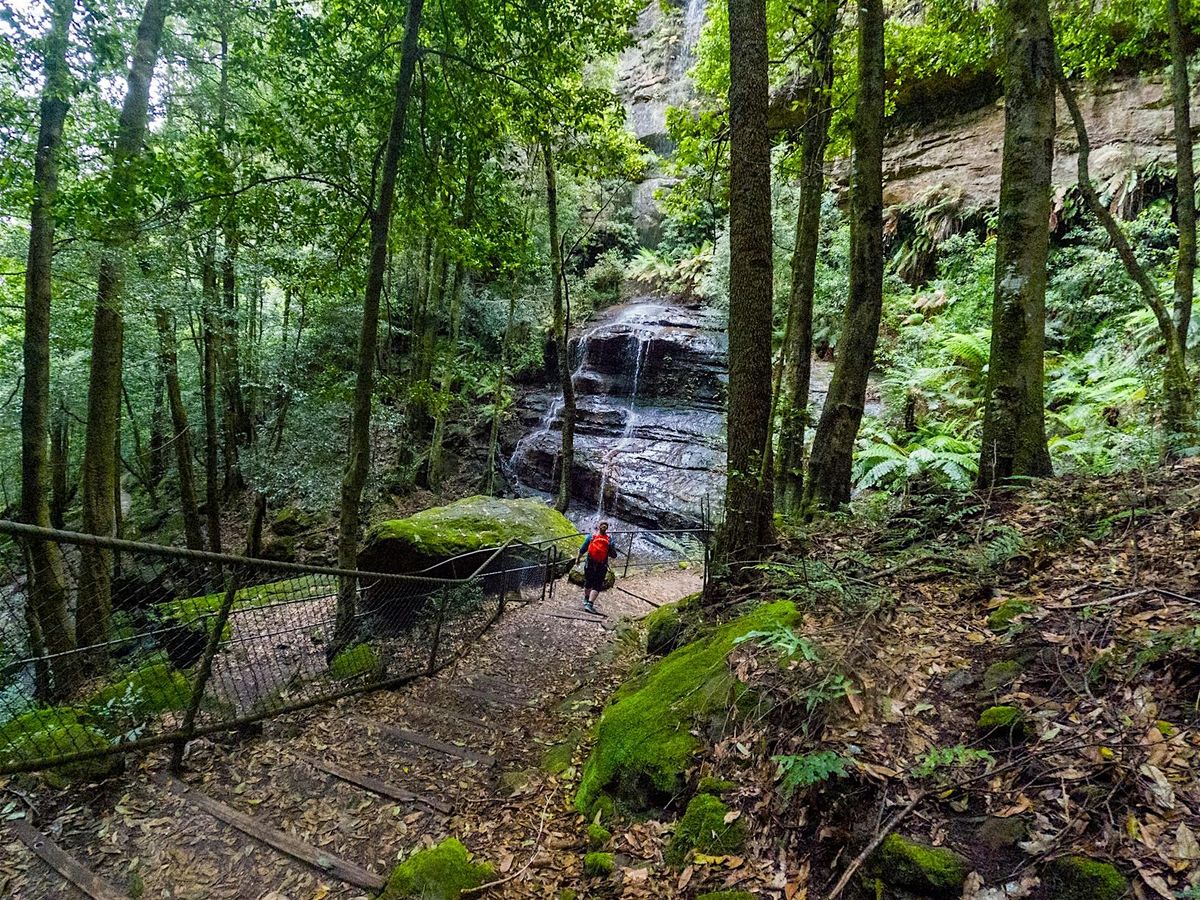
column 598, row 548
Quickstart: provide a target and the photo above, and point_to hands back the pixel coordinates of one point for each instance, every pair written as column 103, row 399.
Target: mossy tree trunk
column 360, row 415
column 209, row 361
column 1185, row 173
column 797, row 371
column 50, row 626
column 748, row 506
column 1014, row 420
column 181, row 438
column 100, row 462
column 1178, row 390
column 829, row 475
column 562, row 328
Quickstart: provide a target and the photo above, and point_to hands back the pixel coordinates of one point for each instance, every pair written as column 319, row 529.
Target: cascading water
column 627, row 433
column 693, row 25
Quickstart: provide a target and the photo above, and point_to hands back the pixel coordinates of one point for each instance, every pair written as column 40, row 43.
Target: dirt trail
column 445, row 749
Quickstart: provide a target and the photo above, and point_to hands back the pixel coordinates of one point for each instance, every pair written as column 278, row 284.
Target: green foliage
column 808, row 769
column 882, row 462
column 940, row 759
column 783, row 640
column 599, row 865
column 1002, row 618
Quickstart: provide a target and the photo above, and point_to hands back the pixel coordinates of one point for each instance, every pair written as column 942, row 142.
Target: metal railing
column 109, row 646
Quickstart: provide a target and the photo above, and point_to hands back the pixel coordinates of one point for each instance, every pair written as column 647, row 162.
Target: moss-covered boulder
column 644, row 740
column 354, row 661
column 599, row 865
column 148, row 690
column 467, row 526
column 1002, row 724
column 55, row 732
column 935, row 872
column 1082, row 878
column 664, row 630
column 703, row 828
column 291, row 521
column 439, row 873
column 1003, row 617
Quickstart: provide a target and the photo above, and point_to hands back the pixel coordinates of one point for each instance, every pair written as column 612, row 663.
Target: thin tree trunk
column 181, row 438
column 60, row 464
column 498, row 399
column 156, row 463
column 1180, row 415
column 208, row 363
column 748, row 506
column 561, row 329
column 233, row 406
column 797, row 373
column 94, row 606
column 360, row 418
column 829, row 474
column 50, row 625
column 1185, row 174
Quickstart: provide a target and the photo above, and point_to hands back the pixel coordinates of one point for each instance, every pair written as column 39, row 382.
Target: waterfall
column 693, row 24
column 627, row 433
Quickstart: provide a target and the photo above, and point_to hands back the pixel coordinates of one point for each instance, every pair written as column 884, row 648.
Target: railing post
column 503, row 583
column 437, row 629
column 204, row 672
column 629, row 553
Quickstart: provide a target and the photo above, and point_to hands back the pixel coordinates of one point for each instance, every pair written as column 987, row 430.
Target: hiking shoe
column 588, row 607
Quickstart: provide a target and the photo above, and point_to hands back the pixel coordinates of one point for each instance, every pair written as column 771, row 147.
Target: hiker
column 599, row 549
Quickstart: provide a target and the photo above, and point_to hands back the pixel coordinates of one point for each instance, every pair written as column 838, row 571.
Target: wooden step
column 376, row 786
column 347, row 872
column 423, row 740
column 65, row 865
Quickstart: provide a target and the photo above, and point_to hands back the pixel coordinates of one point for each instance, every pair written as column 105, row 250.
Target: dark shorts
column 593, row 575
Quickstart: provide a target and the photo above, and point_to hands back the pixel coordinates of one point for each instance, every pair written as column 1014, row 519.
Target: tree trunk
column 360, row 417
column 561, row 329
column 1014, row 425
column 1185, row 174
column 748, row 506
column 60, row 466
column 829, row 475
column 498, row 399
column 233, row 422
column 50, row 625
column 156, row 459
column 798, row 350
column 208, row 363
column 1179, row 393
column 181, row 438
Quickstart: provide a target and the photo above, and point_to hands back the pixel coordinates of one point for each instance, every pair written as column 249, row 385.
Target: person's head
column 602, row 528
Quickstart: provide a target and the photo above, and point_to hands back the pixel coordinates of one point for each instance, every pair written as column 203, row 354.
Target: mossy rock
column 664, row 630
column 1002, row 724
column 1082, row 878
column 599, row 865
column 997, row 832
column 354, row 661
column 439, row 873
column 598, row 837
column 575, row 577
column 716, row 786
column 467, row 526
column 1001, row 619
column 644, row 741
column 559, row 758
column 1001, row 674
column 516, row 781
column 279, row 549
column 291, row 521
column 935, row 872
column 703, row 828
column 726, row 895
column 54, row 732
column 153, row 688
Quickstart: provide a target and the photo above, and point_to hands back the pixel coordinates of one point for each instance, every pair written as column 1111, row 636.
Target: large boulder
column 451, row 541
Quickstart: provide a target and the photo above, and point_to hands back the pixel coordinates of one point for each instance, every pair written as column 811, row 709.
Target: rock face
column 649, row 439
column 1129, row 124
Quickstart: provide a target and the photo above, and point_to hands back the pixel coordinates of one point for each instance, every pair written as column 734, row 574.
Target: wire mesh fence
column 108, row 646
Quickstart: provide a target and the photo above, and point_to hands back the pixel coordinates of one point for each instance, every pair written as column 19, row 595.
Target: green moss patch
column 715, row 786
column 148, row 690
column 439, row 873
column 466, row 526
column 1081, row 878
column 934, row 871
column 354, row 661
column 1002, row 618
column 1001, row 674
column 54, row 732
column 598, row 865
column 291, row 521
column 598, row 837
column 664, row 630
column 703, row 828
column 559, row 758
column 1002, row 723
column 644, row 741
